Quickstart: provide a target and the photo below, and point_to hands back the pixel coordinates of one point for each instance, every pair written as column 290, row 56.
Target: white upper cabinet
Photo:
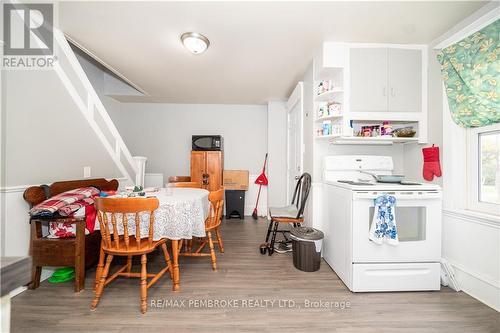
column 368, row 68
column 404, row 80
column 385, row 79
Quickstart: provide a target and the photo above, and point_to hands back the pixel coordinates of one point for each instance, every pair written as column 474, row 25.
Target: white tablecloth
column 181, row 215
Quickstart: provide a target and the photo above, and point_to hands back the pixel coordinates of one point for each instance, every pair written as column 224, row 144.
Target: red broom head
column 261, row 180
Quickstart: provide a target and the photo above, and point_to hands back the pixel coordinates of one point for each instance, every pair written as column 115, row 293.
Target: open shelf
column 372, row 140
column 331, row 136
column 329, row 95
column 330, row 117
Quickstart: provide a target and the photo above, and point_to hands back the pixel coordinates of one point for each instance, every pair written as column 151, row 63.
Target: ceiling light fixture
column 196, row 43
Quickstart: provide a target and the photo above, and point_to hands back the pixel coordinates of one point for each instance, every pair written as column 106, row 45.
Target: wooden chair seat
column 287, row 220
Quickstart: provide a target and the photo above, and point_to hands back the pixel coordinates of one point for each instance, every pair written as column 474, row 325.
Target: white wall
column 471, row 241
column 162, row 133
column 45, row 138
column 413, row 152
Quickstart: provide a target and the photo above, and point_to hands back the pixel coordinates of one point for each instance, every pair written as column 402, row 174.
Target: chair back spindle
column 301, row 193
column 119, row 210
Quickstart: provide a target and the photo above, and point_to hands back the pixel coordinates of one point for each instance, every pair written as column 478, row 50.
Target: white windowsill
column 472, row 216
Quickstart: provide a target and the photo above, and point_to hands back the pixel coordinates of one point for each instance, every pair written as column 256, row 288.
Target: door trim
column 296, row 97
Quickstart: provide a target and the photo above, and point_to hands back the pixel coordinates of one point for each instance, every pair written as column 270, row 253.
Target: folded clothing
column 68, row 229
column 74, row 207
column 62, row 200
column 63, row 230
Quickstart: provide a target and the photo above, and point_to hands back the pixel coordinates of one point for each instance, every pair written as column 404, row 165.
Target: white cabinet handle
column 392, row 92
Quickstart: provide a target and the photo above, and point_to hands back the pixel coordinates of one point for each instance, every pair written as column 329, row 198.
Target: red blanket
column 62, row 200
column 71, row 208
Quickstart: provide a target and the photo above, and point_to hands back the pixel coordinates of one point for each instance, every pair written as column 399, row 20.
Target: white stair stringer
column 90, row 105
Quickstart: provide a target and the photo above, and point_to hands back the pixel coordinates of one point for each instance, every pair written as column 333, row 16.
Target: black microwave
column 206, row 142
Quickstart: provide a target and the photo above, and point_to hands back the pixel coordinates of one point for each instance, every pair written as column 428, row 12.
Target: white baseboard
column 477, row 287
column 261, row 210
column 46, row 273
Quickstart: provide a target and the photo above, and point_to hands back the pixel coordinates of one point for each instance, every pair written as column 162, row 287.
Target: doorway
column 295, row 143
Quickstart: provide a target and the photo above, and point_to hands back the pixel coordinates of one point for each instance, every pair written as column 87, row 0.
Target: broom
column 261, row 181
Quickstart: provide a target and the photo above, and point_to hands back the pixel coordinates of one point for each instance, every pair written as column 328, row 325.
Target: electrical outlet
column 86, row 172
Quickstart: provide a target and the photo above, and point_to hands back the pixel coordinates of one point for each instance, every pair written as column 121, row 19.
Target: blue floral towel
column 383, row 228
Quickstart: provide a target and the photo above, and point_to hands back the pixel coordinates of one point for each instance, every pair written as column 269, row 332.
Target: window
column 483, row 169
column 489, row 149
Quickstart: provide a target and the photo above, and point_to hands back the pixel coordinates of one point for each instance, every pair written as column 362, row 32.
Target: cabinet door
column 405, row 80
column 198, row 166
column 368, row 67
column 214, row 170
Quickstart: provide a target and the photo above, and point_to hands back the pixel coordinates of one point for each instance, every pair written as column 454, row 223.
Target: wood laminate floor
column 248, row 280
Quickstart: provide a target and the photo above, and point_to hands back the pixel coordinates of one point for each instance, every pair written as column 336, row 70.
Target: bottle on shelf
column 386, row 128
column 327, row 127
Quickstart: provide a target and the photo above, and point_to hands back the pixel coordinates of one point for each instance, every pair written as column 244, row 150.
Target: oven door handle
column 400, row 195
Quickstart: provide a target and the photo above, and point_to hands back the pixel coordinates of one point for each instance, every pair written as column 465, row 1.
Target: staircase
column 82, row 92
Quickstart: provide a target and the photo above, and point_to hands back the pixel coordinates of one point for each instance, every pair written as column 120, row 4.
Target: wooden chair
column 185, row 184
column 293, row 214
column 177, row 179
column 126, row 245
column 212, row 223
column 80, row 252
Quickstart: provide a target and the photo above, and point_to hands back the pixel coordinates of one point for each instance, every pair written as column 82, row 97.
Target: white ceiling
column 258, row 50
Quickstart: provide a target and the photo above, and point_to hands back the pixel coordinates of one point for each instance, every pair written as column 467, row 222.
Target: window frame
column 473, row 171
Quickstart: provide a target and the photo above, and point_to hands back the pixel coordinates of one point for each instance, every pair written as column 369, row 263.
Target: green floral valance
column 471, row 74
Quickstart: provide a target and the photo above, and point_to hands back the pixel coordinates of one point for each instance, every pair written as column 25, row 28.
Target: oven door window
column 410, row 221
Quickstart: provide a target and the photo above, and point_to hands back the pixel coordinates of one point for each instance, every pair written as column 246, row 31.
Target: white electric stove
column 348, row 208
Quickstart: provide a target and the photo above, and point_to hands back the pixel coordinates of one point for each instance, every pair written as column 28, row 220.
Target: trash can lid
column 307, row 233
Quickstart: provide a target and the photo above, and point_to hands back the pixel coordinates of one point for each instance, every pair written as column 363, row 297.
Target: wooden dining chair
column 292, row 214
column 177, row 179
column 212, row 223
column 185, row 184
column 113, row 215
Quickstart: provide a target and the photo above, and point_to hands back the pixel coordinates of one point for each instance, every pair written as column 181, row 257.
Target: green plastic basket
column 62, row 275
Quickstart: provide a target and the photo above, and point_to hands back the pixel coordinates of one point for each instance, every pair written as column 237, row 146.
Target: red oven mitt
column 432, row 166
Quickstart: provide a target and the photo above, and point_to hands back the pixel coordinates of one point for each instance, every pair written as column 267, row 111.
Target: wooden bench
column 80, row 252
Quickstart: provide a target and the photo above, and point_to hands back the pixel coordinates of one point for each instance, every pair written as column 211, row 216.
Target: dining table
column 181, row 215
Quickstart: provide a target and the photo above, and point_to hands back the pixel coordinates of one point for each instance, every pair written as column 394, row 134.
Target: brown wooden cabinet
column 206, row 169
